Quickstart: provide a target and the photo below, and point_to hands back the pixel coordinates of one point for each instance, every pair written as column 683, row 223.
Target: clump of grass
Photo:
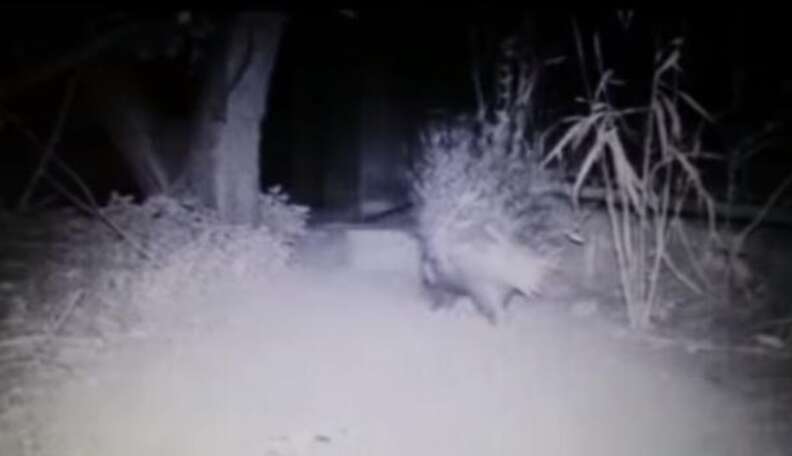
column 95, row 288
column 646, row 183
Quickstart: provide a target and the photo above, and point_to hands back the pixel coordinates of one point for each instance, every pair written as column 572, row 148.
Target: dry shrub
column 646, row 183
column 103, row 279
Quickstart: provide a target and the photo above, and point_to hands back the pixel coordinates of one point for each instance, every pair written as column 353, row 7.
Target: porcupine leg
column 488, row 298
column 440, row 294
column 440, row 298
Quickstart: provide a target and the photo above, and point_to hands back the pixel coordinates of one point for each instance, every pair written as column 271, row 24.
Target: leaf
column 555, row 60
column 602, row 86
column 673, row 113
column 696, row 106
column 662, row 129
column 592, row 156
column 671, row 62
column 557, row 150
column 627, row 179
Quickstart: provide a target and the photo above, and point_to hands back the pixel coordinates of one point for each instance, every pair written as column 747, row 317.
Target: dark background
column 735, row 60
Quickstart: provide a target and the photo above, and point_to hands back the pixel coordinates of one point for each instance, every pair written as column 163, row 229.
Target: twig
column 30, row 136
column 109, row 223
column 681, row 276
column 53, row 140
column 742, row 235
column 694, row 346
column 76, row 298
column 91, row 207
column 722, row 209
column 21, row 341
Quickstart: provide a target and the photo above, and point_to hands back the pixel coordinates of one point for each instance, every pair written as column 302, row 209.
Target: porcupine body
column 488, row 264
column 488, row 228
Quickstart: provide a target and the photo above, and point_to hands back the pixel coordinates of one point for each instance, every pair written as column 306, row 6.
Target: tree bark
column 224, row 148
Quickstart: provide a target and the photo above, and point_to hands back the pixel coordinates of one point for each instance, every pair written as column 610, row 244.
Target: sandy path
column 353, row 364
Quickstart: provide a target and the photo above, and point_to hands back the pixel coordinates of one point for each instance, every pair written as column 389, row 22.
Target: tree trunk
column 224, row 148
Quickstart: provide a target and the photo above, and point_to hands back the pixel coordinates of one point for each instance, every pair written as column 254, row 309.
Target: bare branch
column 54, row 139
column 771, row 201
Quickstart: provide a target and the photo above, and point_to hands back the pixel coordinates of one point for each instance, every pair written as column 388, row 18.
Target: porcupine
column 487, row 226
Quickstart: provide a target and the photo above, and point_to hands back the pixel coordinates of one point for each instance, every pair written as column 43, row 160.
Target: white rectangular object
column 382, row 249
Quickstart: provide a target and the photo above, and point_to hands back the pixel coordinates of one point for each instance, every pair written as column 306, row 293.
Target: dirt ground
column 338, row 359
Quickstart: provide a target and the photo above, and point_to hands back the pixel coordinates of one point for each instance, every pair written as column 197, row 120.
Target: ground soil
column 334, row 359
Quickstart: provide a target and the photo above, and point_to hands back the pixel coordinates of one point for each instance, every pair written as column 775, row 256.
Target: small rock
column 319, row 438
